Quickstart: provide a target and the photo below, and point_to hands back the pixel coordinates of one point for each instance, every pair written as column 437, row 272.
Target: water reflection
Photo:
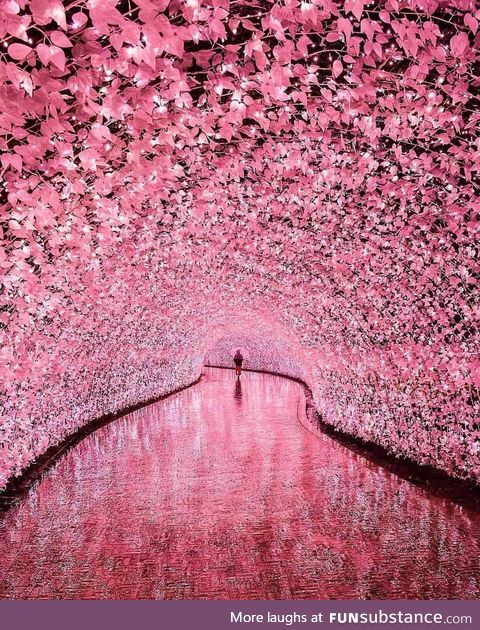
column 190, row 498
column 238, row 391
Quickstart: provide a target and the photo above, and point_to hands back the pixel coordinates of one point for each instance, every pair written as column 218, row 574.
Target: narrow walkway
column 219, row 492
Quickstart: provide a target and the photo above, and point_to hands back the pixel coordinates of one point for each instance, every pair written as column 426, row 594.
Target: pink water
column 220, row 492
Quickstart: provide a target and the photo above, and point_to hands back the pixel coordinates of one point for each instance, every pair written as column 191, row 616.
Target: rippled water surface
column 220, row 492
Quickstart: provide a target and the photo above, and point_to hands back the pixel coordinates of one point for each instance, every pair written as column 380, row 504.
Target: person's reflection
column 238, row 391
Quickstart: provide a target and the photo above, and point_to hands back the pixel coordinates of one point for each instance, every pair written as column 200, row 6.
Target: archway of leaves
column 171, row 168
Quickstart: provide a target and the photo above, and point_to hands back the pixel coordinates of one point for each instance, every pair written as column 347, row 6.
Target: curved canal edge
column 18, row 486
column 433, row 480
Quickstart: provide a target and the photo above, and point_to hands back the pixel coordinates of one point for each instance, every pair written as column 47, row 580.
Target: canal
column 221, row 492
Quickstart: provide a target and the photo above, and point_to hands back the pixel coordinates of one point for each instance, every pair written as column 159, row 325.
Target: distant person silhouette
column 238, row 360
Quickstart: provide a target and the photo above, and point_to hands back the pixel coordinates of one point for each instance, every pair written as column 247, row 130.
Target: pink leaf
column 43, row 52
column 217, row 29
column 60, row 39
column 16, row 161
column 44, row 11
column 337, row 68
column 302, row 44
column 355, row 7
column 333, row 36
column 385, row 16
column 471, row 22
column 58, row 57
column 459, row 44
column 5, row 159
column 18, row 51
column 79, row 19
column 345, row 26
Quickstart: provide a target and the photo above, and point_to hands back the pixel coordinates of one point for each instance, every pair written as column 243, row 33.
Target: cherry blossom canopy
column 302, row 177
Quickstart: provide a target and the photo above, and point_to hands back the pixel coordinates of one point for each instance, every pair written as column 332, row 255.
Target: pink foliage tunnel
column 175, row 173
